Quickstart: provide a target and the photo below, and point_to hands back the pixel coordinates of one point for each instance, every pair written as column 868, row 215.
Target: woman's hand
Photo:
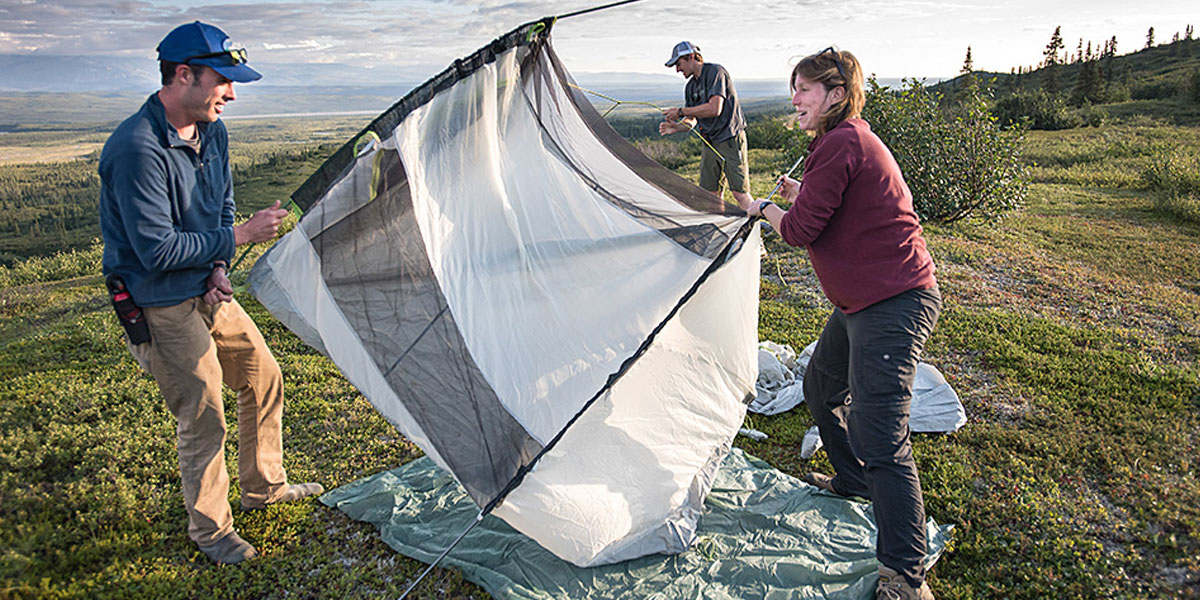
column 789, row 189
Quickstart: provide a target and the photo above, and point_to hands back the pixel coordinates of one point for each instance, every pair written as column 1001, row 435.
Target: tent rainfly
column 564, row 325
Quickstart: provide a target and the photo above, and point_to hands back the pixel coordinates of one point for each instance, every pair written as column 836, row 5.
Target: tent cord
column 617, row 102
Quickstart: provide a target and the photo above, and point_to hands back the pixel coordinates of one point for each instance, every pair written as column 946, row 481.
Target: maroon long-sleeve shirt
column 855, row 215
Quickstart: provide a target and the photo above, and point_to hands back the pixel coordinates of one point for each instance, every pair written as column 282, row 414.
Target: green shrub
column 56, row 267
column 1034, row 110
column 776, row 134
column 1174, row 182
column 670, row 153
column 1157, row 89
column 1114, row 92
column 958, row 165
column 1090, row 115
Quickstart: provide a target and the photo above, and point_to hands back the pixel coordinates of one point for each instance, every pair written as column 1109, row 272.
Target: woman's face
column 811, row 100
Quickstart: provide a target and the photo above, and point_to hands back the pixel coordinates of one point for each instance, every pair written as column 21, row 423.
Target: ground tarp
column 763, row 534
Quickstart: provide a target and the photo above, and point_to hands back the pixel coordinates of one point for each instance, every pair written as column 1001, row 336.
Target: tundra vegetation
column 1071, row 332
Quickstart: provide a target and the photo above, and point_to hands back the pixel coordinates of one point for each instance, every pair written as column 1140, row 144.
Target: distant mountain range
column 41, row 73
column 41, row 89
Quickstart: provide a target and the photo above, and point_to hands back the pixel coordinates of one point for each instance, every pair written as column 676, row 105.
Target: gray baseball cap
column 682, row 49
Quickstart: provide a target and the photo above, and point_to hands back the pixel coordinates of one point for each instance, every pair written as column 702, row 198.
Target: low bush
column 958, row 165
column 1174, row 182
column 1155, row 89
column 1035, row 110
column 670, row 153
column 777, row 134
column 1090, row 115
column 61, row 265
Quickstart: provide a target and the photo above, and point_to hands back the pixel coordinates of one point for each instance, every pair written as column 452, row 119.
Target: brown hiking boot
column 294, row 492
column 820, row 480
column 893, row 586
column 229, row 550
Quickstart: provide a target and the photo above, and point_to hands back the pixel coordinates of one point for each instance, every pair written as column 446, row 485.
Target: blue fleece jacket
column 166, row 214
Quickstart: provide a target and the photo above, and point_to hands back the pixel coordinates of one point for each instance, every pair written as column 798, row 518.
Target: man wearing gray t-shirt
column 711, row 104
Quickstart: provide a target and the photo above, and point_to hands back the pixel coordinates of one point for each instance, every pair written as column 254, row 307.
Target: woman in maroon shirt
column 854, row 214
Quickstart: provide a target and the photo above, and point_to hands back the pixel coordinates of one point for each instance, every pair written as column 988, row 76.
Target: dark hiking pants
column 858, row 387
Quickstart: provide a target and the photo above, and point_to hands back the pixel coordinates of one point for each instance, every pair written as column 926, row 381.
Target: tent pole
column 595, row 8
column 435, row 562
column 524, row 470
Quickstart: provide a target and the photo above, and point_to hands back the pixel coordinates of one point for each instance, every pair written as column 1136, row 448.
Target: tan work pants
column 193, row 348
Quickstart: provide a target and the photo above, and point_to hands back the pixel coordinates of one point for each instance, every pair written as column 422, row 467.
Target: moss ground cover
column 1071, row 331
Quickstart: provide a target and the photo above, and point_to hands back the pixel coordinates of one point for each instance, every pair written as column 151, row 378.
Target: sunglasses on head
column 837, row 60
column 237, row 56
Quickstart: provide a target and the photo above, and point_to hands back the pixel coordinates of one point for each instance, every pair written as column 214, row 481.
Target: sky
column 753, row 39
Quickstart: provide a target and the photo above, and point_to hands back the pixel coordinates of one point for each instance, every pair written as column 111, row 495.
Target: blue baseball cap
column 202, row 44
column 681, row 50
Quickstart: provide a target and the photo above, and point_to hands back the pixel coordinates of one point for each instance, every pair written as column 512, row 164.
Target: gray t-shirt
column 714, row 80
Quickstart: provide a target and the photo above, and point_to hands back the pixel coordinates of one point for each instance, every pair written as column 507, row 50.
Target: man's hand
column 747, row 203
column 219, row 288
column 264, row 225
column 667, row 128
column 672, row 114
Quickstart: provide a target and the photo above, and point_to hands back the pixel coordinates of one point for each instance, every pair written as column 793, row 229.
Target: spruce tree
column 1150, row 38
column 1050, row 70
column 970, row 86
column 1087, row 86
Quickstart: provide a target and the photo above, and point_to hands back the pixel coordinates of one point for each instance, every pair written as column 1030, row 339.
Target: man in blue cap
column 711, row 104
column 167, row 217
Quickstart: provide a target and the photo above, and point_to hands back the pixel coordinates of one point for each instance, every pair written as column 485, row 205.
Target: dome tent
column 564, row 325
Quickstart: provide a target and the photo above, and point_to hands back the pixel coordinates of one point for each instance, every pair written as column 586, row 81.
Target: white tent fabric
column 780, row 388
column 486, row 268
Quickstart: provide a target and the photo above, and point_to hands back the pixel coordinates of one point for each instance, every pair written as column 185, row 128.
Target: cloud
column 753, row 38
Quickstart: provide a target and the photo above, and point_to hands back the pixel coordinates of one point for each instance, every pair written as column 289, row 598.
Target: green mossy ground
column 1071, row 331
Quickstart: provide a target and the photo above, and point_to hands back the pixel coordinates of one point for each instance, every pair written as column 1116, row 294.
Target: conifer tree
column 1106, row 58
column 1150, row 38
column 1087, row 85
column 970, row 86
column 1050, row 70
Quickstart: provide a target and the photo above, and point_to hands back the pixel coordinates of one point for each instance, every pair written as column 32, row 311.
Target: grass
column 1071, row 331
